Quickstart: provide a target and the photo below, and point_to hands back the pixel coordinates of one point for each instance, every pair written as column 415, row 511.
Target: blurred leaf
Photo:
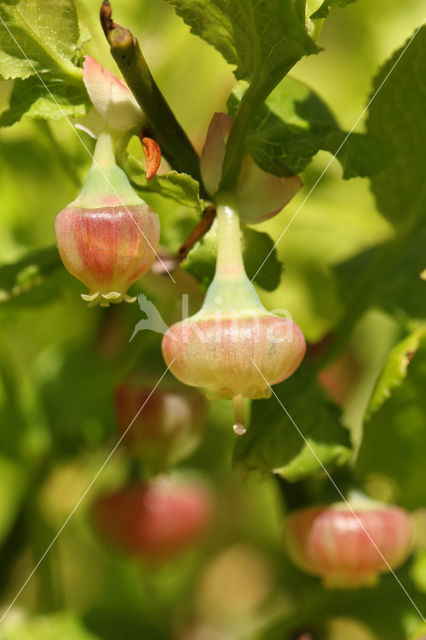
column 418, row 565
column 274, row 444
column 397, row 117
column 395, row 371
column 122, row 608
column 262, row 38
column 360, row 156
column 81, row 414
column 256, row 245
column 40, row 46
column 394, row 438
column 385, row 610
column 36, row 279
column 178, row 187
column 201, row 260
column 12, row 490
column 327, row 5
column 110, row 624
column 50, row 627
column 420, row 633
column 30, row 98
column 294, row 124
column 403, row 289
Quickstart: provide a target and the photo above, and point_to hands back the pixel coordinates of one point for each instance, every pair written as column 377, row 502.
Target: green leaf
column 40, row 47
column 30, row 98
column 397, row 117
column 178, row 187
column 274, row 444
column 294, row 123
column 39, row 36
column 360, row 154
column 201, row 260
column 327, row 5
column 403, row 289
column 256, row 246
column 36, row 279
column 394, row 438
column 262, row 38
column 49, row 627
column 85, row 418
column 395, row 371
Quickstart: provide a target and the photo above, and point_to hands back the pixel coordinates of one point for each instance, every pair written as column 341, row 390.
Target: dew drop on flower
column 239, row 429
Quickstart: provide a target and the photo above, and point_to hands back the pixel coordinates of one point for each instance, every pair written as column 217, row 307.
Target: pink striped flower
column 348, row 549
column 107, row 237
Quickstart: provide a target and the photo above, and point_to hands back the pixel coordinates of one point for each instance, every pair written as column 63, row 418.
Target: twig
column 167, row 131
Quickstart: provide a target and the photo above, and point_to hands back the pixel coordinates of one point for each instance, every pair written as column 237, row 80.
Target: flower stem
column 104, row 155
column 229, row 254
column 231, row 290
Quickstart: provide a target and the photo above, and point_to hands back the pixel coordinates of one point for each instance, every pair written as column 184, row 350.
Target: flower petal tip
column 111, row 97
column 105, row 299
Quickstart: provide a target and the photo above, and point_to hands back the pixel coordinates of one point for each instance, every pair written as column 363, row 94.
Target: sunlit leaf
column 394, row 430
column 397, row 117
column 295, row 433
column 294, row 124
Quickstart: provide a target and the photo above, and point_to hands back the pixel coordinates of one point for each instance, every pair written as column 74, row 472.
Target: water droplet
column 239, row 429
column 218, row 300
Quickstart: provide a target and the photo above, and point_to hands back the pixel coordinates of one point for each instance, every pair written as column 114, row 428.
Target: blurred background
column 60, row 362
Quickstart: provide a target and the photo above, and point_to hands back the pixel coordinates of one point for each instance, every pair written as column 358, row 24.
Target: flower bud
column 259, row 195
column 155, row 521
column 169, row 422
column 348, row 548
column 111, row 98
column 107, row 237
column 233, row 347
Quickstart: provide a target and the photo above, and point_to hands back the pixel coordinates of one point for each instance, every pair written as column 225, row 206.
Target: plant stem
column 236, row 143
column 167, row 131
